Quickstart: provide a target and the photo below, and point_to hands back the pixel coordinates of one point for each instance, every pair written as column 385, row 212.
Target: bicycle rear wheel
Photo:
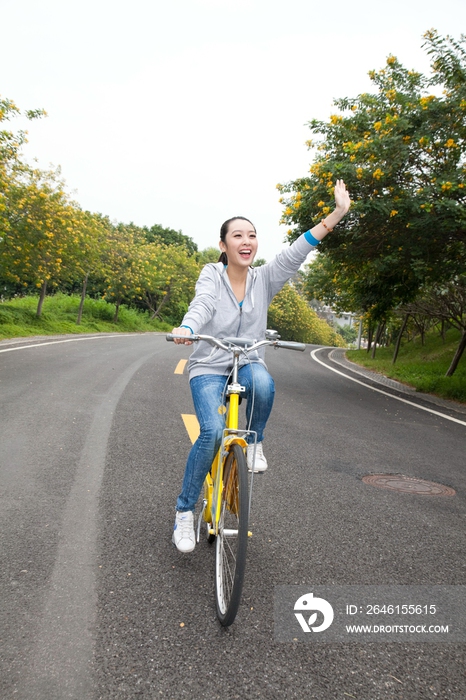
column 232, row 538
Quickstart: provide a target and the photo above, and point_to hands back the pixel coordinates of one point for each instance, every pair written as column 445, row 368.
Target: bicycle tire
column 232, row 538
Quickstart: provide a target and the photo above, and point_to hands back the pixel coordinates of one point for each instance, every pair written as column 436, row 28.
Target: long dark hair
column 223, row 234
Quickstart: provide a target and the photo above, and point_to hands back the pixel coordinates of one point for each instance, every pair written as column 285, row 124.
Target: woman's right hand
column 182, row 331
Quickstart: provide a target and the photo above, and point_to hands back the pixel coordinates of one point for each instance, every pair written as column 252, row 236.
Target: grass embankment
column 421, row 366
column 59, row 313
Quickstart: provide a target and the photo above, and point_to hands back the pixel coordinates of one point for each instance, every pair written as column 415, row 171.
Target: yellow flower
column 320, row 204
column 393, row 212
column 424, row 101
column 450, row 143
column 377, row 174
column 446, row 186
column 378, row 126
column 391, row 60
column 359, row 172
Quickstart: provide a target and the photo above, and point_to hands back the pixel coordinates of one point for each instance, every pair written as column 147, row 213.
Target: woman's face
column 240, row 243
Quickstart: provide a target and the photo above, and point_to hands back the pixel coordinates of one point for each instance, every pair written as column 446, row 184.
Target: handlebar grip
column 174, row 336
column 291, row 345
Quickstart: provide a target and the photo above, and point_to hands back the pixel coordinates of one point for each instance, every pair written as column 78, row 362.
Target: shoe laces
column 185, row 525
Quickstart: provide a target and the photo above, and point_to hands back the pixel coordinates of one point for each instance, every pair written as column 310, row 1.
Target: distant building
column 327, row 313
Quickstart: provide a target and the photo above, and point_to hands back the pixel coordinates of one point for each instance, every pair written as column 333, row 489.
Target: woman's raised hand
column 342, row 198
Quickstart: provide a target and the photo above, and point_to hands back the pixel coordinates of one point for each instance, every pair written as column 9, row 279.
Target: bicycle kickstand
column 199, row 520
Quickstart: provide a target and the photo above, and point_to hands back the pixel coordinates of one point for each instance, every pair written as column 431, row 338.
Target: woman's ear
column 222, row 246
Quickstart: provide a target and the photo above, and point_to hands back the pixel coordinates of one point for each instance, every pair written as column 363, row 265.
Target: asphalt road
column 96, row 602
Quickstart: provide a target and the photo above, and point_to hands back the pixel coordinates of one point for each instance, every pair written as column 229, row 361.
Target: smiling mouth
column 245, row 253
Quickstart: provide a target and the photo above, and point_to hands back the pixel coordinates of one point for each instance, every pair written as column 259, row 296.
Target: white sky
column 187, row 112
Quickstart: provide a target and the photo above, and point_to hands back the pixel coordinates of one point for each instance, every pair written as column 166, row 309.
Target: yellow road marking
column 192, row 426
column 180, row 367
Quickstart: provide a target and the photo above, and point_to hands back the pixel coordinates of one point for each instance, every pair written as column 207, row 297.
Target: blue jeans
column 207, row 391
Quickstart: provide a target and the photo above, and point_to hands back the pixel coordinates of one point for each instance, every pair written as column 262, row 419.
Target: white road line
column 67, row 340
column 385, row 393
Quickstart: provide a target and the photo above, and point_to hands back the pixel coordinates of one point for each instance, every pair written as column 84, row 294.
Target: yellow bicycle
column 228, row 485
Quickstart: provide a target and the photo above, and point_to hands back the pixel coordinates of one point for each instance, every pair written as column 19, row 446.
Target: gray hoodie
column 216, row 311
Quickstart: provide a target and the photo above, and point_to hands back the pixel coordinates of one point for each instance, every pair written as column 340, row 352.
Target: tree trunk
column 443, row 329
column 43, row 290
column 369, row 336
column 359, row 335
column 81, row 304
column 459, row 351
column 160, row 306
column 117, row 308
column 378, row 335
column 398, row 340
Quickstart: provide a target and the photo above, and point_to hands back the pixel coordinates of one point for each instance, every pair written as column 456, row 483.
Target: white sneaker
column 260, row 463
column 183, row 533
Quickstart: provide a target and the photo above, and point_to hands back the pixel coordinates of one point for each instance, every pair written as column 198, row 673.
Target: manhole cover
column 407, row 484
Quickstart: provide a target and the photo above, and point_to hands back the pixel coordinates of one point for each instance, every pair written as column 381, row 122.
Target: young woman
column 232, row 299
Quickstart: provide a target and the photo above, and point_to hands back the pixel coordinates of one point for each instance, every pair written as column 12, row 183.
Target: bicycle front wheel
column 232, row 538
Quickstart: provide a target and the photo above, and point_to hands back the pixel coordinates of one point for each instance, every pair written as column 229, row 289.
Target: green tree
column 208, row 255
column 12, row 169
column 444, row 302
column 295, row 320
column 122, row 266
column 401, row 152
column 43, row 225
column 167, row 278
column 89, row 248
column 169, row 236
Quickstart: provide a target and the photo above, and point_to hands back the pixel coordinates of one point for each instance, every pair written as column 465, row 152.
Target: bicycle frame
column 213, row 484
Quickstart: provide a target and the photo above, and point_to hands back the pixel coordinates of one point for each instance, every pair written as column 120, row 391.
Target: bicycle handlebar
column 245, row 344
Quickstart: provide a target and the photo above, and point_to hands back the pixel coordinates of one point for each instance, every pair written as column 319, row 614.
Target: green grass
column 18, row 318
column 422, row 367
